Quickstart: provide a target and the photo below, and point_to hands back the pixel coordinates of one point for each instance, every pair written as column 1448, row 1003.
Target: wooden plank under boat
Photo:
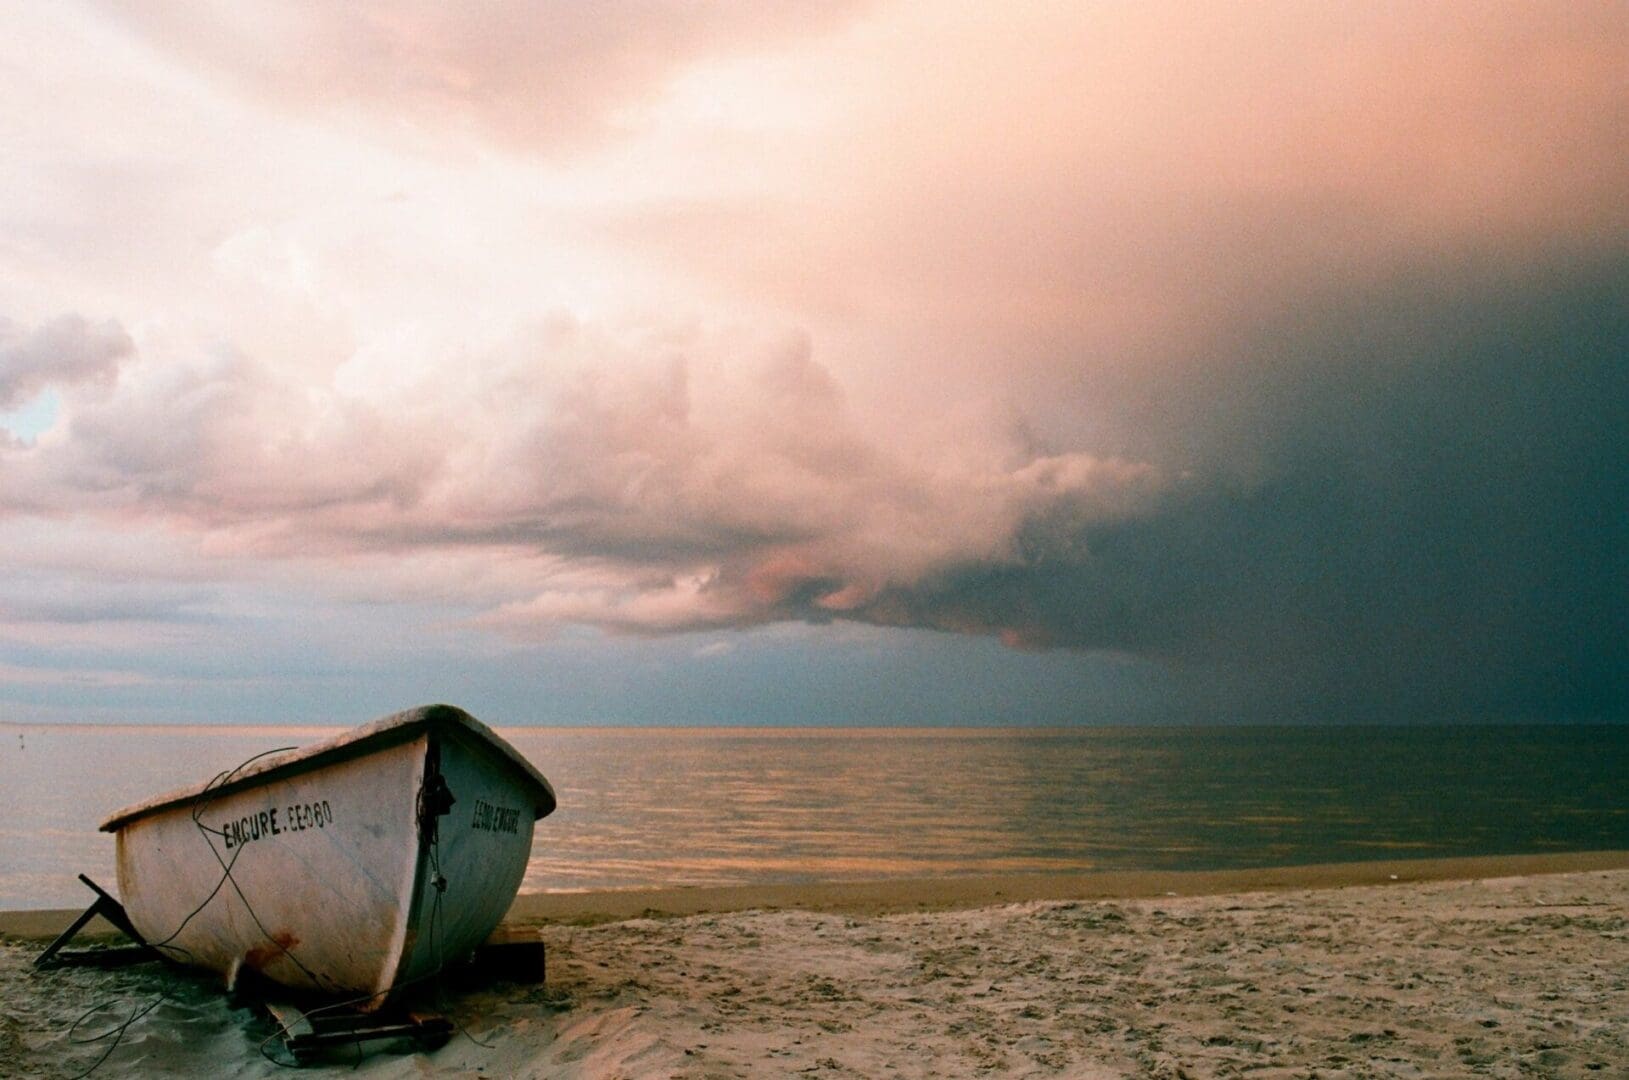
column 355, row 866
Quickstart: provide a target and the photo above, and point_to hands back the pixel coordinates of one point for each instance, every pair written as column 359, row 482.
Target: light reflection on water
column 810, row 805
column 641, row 807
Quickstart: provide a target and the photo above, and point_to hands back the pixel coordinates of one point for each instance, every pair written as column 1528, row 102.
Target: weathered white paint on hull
column 318, row 870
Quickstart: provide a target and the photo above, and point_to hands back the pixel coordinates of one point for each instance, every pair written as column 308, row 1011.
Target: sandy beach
column 1503, row 967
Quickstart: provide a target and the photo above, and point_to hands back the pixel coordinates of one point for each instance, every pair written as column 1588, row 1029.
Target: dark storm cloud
column 1411, row 503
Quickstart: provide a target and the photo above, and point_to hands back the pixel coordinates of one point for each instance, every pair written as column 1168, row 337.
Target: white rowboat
column 354, row 866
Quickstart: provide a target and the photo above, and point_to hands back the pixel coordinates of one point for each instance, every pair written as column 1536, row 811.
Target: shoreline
column 890, row 896
column 904, row 895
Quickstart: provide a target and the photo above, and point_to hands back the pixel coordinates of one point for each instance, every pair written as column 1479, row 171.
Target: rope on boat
column 434, row 799
column 205, row 798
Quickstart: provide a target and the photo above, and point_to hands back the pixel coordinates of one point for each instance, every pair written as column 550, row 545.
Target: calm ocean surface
column 677, row 807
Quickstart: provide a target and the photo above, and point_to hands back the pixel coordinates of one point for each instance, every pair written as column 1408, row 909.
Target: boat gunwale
column 387, row 731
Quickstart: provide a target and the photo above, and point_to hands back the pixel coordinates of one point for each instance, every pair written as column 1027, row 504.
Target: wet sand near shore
column 953, row 893
column 1513, row 966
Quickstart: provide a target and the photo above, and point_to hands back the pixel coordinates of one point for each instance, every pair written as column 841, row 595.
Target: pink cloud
column 528, row 75
column 1061, row 198
column 654, row 483
column 1153, row 327
column 65, row 351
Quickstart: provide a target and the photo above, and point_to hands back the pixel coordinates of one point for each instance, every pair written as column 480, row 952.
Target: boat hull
column 352, row 876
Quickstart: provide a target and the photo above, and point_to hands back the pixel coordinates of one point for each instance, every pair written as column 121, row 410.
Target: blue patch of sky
column 28, row 422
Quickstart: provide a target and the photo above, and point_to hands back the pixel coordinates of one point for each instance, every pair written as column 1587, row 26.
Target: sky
column 662, row 362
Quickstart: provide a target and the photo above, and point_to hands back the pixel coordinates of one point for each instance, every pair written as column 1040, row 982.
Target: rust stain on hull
column 261, row 955
column 356, row 884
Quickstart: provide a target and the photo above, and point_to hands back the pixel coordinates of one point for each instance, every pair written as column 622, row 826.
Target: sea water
column 644, row 807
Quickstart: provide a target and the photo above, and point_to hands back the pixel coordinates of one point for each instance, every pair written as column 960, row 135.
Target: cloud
column 1408, row 502
column 1100, row 189
column 109, row 606
column 1280, row 345
column 220, row 440
column 653, row 479
column 1411, row 497
column 523, row 74
column 81, row 678
column 64, row 351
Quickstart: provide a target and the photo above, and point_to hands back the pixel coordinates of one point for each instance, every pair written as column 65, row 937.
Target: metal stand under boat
column 311, row 1036
column 112, row 912
column 324, row 1031
column 337, row 1032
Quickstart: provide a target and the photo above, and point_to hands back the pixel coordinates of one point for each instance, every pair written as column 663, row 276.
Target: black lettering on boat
column 490, row 818
column 297, row 817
